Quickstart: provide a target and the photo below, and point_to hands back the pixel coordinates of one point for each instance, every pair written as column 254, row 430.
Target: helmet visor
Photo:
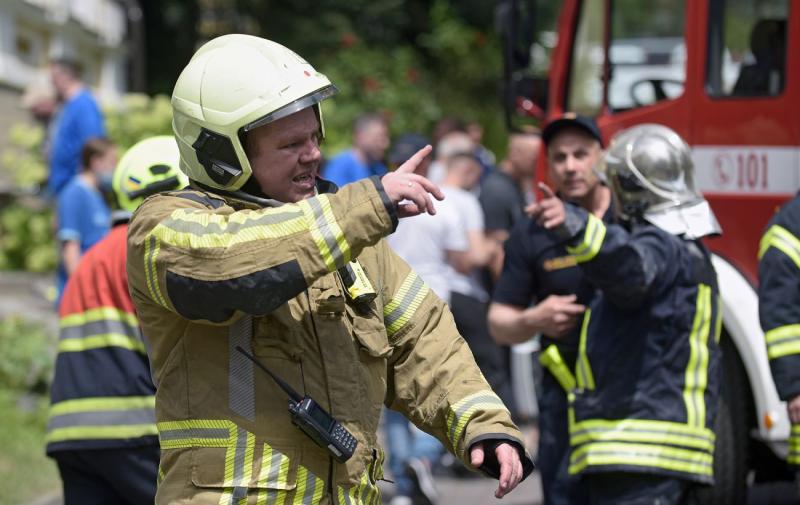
column 289, row 109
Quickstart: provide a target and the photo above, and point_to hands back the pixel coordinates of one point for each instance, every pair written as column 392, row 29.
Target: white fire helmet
column 650, row 170
column 232, row 85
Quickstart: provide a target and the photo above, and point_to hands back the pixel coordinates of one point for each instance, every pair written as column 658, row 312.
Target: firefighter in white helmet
column 263, row 264
column 102, row 431
column 646, row 382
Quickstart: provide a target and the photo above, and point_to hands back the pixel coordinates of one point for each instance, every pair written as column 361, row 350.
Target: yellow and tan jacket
column 209, row 273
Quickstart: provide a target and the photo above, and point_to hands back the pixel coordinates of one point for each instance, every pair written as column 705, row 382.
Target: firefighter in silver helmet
column 647, row 375
column 262, row 260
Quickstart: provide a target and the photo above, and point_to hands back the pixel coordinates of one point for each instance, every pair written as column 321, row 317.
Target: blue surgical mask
column 105, row 181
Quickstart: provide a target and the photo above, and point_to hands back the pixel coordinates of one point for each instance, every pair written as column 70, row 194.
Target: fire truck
column 724, row 74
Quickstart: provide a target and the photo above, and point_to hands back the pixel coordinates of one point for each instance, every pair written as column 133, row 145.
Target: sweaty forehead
column 300, row 123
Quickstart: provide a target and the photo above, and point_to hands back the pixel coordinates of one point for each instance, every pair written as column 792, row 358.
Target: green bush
column 27, row 351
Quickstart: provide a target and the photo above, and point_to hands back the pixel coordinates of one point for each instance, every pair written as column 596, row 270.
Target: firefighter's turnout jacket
column 647, row 375
column 779, row 305
column 210, row 273
column 102, row 395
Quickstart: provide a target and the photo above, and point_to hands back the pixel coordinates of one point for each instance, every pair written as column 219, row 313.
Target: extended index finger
column 414, row 161
column 548, row 193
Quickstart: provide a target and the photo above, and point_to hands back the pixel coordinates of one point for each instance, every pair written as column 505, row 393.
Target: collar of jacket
column 243, row 200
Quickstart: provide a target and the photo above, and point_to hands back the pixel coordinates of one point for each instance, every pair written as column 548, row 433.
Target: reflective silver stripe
column 103, row 418
column 191, row 433
column 274, row 467
column 655, row 454
column 239, row 462
column 311, row 487
column 241, row 382
column 489, row 398
column 99, row 328
column 324, row 228
column 230, row 227
column 416, row 286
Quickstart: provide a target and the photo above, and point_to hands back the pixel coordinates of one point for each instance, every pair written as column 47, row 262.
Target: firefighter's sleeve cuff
column 491, row 466
column 574, row 222
column 390, row 207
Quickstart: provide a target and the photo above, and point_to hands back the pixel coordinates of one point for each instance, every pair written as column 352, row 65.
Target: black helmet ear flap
column 216, row 154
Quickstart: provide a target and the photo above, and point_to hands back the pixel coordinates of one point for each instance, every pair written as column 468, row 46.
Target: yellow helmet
column 149, row 167
column 234, row 84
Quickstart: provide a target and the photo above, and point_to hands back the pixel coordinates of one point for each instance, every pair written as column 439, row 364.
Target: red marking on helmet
column 308, row 74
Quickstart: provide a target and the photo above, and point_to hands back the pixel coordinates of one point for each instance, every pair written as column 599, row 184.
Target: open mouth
column 305, row 179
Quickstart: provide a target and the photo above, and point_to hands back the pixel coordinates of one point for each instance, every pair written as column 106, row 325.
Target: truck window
column 647, row 53
column 746, row 47
column 588, row 60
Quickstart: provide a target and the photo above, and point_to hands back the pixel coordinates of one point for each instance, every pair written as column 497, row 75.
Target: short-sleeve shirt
column 83, row 216
column 346, row 167
column 466, row 205
column 536, row 266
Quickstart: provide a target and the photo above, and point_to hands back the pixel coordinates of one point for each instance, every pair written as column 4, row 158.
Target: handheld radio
column 313, row 420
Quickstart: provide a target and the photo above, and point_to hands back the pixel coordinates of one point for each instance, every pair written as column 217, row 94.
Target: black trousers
column 106, row 476
column 635, row 489
column 558, row 487
column 471, row 319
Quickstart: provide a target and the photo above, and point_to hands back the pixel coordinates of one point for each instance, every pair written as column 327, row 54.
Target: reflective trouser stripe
column 782, row 239
column 462, row 411
column 696, row 375
column 552, row 360
column 645, row 431
column 592, row 240
column 585, row 378
column 783, row 341
column 102, row 418
column 641, row 455
column 401, row 308
column 794, row 445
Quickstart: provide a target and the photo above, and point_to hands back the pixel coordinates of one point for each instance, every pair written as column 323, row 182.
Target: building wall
column 32, row 32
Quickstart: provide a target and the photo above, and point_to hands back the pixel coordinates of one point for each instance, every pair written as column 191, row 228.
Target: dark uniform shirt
column 538, row 265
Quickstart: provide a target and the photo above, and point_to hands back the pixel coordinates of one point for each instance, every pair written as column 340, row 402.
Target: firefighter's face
column 285, row 156
column 572, row 157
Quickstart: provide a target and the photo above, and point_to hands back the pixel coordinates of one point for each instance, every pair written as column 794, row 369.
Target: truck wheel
column 731, row 452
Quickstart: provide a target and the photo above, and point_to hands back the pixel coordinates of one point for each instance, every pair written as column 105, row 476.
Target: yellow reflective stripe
column 401, row 308
column 309, row 488
column 718, row 322
column 98, row 314
column 592, row 240
column 783, row 240
column 101, row 432
column 326, row 232
column 462, row 411
column 100, row 403
column 98, row 341
column 783, row 341
column 696, row 375
column 195, row 433
column 152, row 246
column 585, row 378
column 794, row 445
column 638, row 430
column 645, row 455
column 190, row 229
column 552, row 360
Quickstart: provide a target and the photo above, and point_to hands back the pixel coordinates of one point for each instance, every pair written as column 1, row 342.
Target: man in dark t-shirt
column 542, row 290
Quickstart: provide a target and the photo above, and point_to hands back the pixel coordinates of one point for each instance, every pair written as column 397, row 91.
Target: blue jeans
column 405, row 441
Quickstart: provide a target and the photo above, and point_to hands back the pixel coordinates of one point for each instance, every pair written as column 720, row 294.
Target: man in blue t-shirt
column 82, row 213
column 365, row 158
column 78, row 121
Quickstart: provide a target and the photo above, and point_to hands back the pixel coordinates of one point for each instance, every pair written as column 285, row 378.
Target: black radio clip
column 313, row 420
